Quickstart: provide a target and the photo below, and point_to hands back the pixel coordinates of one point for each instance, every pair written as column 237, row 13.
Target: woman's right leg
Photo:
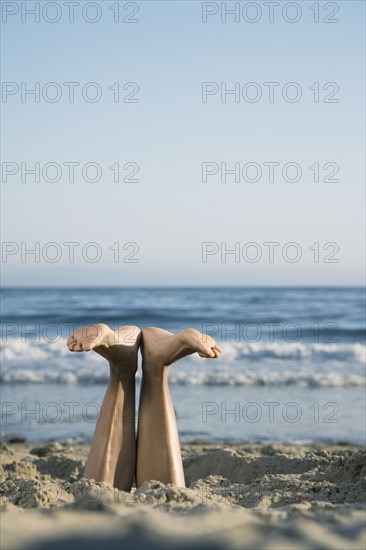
column 158, row 448
column 112, row 455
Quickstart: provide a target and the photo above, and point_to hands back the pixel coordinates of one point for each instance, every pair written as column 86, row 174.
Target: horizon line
column 180, row 287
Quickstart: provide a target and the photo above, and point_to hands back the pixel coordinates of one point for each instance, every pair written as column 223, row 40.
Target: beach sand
column 240, row 496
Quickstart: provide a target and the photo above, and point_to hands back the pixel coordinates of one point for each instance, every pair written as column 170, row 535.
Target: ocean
column 293, row 367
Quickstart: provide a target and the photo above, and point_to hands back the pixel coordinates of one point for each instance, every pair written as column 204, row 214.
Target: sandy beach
column 246, row 495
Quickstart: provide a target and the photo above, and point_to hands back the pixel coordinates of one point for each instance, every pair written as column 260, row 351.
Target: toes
column 210, row 353
column 78, row 346
column 75, row 346
column 217, row 351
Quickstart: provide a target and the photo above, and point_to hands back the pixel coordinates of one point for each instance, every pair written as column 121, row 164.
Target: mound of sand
column 242, row 496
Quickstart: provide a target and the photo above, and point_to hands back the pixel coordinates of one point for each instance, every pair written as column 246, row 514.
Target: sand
column 238, row 496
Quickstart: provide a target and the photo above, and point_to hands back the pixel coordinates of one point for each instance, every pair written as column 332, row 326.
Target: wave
column 242, row 364
column 355, row 352
column 25, row 351
column 269, row 378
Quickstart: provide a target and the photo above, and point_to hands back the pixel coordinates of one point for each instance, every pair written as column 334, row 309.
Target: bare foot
column 162, row 348
column 118, row 345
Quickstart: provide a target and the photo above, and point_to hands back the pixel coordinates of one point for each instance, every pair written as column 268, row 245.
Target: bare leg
column 112, row 455
column 158, row 449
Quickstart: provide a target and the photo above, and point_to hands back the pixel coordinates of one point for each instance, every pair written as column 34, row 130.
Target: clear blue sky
column 170, row 132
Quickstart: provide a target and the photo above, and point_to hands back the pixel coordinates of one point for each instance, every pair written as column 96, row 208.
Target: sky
column 149, row 99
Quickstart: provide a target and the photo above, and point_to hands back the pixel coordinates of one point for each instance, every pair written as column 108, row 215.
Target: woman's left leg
column 158, row 448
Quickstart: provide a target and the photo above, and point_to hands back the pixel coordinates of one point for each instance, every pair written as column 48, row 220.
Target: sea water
column 292, row 368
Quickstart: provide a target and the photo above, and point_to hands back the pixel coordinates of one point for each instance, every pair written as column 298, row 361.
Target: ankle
column 122, row 372
column 156, row 374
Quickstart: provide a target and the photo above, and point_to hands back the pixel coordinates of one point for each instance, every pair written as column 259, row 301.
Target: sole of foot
column 110, row 343
column 164, row 348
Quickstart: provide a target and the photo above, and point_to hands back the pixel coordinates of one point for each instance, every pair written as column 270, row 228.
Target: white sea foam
column 242, row 364
column 259, row 351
